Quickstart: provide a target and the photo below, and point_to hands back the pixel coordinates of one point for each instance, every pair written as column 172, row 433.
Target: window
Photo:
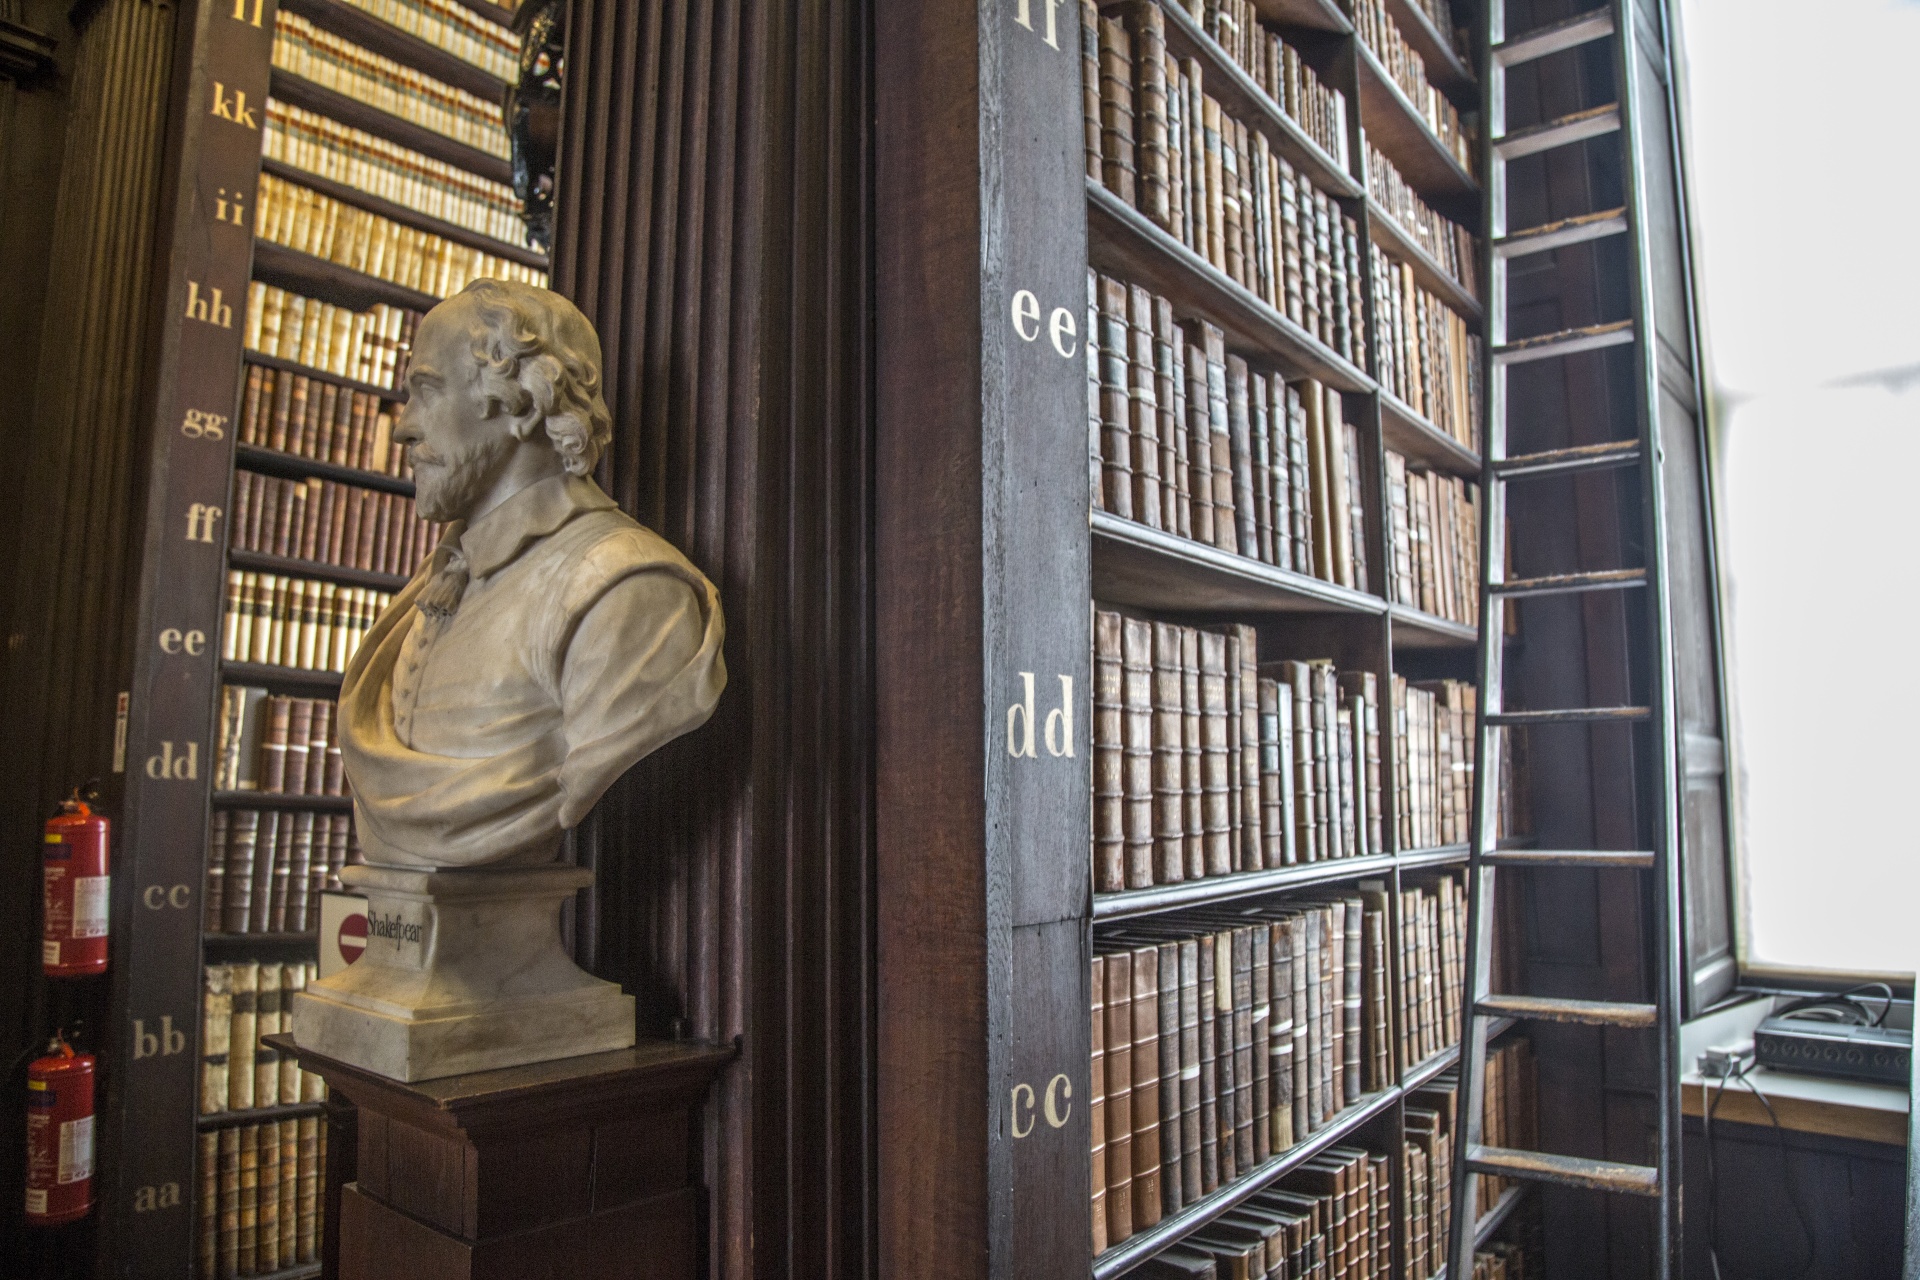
column 1810, row 301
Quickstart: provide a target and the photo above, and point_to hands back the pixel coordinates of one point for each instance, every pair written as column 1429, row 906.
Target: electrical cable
column 1786, row 1175
column 1786, row 1170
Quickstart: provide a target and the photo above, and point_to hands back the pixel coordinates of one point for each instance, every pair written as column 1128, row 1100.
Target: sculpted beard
column 446, row 488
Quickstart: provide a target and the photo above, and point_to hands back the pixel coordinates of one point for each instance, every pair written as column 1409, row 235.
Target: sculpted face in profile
column 550, row 641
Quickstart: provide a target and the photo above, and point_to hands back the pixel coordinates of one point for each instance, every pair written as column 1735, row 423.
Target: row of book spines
column 240, row 1003
column 1192, row 440
column 1446, row 241
column 306, row 221
column 365, row 346
column 266, row 869
column 330, row 523
column 1433, row 939
column 1277, row 68
column 1434, row 521
column 298, row 623
column 1222, row 189
column 310, row 417
column 1188, row 1094
column 262, row 1197
column 1511, row 1117
column 1331, row 1218
column 1403, row 62
column 277, row 744
column 1426, row 354
column 345, row 67
column 455, row 29
column 326, row 148
column 1434, row 756
column 1208, row 763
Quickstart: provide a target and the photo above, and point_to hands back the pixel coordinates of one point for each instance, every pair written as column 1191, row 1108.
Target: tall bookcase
column 991, row 193
column 380, row 86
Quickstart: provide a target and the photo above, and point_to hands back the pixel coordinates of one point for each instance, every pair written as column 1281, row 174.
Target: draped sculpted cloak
column 577, row 643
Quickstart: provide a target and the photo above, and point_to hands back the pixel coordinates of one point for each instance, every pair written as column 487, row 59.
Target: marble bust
column 547, row 645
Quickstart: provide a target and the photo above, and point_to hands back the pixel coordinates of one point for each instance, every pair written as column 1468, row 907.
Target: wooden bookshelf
column 1396, row 240
column 1396, row 126
column 1446, row 69
column 151, row 1110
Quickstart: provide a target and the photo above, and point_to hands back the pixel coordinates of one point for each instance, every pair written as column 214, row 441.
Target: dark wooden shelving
column 1135, row 565
column 321, row 375
column 1411, row 434
column 263, row 563
column 313, row 277
column 1401, row 133
column 1446, row 69
column 1247, row 884
column 400, row 213
column 1492, row 1220
column 291, row 466
column 1126, row 242
column 281, row 800
column 1142, row 1245
column 281, row 679
column 1399, row 243
column 1320, row 15
column 301, row 92
column 1243, row 98
column 375, row 36
column 1443, row 855
column 246, row 944
column 261, row 1115
column 1423, row 630
column 491, row 12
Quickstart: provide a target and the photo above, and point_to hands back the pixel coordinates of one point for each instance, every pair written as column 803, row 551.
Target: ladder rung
column 1568, row 1171
column 1593, row 1013
column 1567, row 858
column 1570, row 715
column 1558, row 235
column 1561, row 132
column 1570, row 33
column 1566, row 342
column 1564, row 583
column 1584, row 457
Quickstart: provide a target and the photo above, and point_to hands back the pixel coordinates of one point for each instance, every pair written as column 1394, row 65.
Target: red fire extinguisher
column 73, row 940
column 59, row 1136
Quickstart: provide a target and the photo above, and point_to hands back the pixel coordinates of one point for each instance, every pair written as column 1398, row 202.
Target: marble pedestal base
column 463, row 972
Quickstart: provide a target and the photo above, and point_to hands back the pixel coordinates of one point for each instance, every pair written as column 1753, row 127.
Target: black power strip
column 1815, row 1045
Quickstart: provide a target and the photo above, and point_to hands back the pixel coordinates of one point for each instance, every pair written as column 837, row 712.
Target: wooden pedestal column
column 584, row 1167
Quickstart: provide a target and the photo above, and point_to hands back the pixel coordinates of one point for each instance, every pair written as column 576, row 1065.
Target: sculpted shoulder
column 609, row 545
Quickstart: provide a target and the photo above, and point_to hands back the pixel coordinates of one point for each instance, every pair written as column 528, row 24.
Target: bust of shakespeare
column 546, row 646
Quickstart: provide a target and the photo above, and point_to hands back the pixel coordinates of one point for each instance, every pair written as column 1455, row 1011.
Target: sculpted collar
column 496, row 539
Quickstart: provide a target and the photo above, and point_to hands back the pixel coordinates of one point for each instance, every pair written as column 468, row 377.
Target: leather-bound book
column 1146, row 25
column 312, row 1140
column 1210, row 1171
column 1090, row 88
column 1167, row 1044
column 1178, row 1263
column 275, row 830
column 206, row 1253
column 1119, row 1094
column 1145, row 1008
column 1235, row 800
column 1314, row 1062
column 1260, row 1018
column 1189, row 1058
column 243, row 833
column 227, row 1251
column 1358, row 577
column 291, row 738
column 1319, row 466
column 1193, row 754
column 1109, row 800
column 1169, row 788
column 1339, row 491
column 1344, row 764
column 1097, row 1101
column 268, row 1215
column 289, row 1192
column 216, row 1034
column 1233, row 1259
column 1169, row 429
column 1216, row 784
column 299, row 874
column 1199, row 440
column 249, row 1200
column 1252, row 855
column 1116, row 110
column 268, row 1015
column 1260, row 449
column 214, row 900
column 319, row 740
column 1240, row 949
column 1143, row 407
column 1280, row 1033
column 1116, row 452
column 1214, row 249
column 1220, row 440
column 1295, row 681
column 1136, row 651
column 1353, row 1008
column 1232, row 241
column 1240, row 455
column 1227, row 1078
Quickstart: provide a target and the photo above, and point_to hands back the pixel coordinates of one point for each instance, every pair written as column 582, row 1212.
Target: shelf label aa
column 1060, row 325
column 1056, row 1105
column 1023, row 14
column 1058, row 729
column 165, row 1195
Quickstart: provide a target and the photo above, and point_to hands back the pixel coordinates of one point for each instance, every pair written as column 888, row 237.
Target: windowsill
column 1806, row 1104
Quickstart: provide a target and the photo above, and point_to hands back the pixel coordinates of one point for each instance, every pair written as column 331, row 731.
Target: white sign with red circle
column 343, row 931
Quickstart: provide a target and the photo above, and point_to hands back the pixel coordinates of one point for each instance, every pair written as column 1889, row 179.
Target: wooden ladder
column 1660, row 1017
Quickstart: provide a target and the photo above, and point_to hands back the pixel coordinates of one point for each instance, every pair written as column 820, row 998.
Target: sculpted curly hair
column 540, row 363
